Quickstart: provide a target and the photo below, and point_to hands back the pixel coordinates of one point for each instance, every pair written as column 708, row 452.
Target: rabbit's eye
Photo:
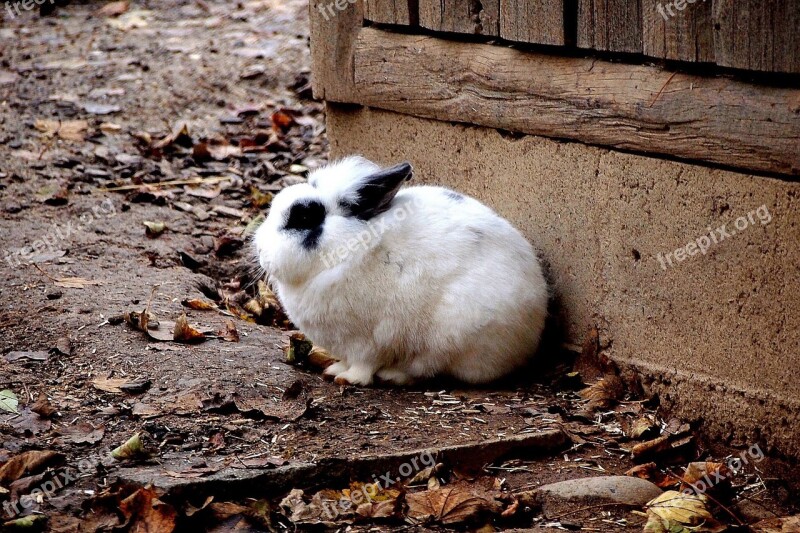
column 306, row 216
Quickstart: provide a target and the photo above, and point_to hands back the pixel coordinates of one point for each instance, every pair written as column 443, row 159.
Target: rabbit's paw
column 334, row 370
column 355, row 375
column 394, row 375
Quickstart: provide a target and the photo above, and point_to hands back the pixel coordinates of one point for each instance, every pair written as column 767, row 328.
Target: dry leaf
column 135, row 447
column 653, row 474
column 28, row 463
column 179, row 136
column 113, row 9
column 705, row 475
column 43, row 407
column 675, row 512
column 69, row 130
column 109, row 385
column 604, row 393
column 198, row 304
column 789, row 524
column 145, row 513
column 185, row 333
column 83, row 433
column 451, row 505
column 75, row 283
column 154, row 229
column 229, row 333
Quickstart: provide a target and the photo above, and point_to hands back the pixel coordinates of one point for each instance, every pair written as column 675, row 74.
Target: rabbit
column 402, row 283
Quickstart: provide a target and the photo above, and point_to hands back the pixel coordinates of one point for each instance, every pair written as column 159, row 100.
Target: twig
column 191, row 181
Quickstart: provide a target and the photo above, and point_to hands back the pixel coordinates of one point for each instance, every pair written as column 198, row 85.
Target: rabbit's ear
column 376, row 191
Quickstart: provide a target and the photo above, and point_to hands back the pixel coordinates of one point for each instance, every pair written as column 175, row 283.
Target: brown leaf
column 707, row 474
column 28, row 463
column 28, row 423
column 605, row 392
column 789, row 524
column 43, row 407
column 145, row 513
column 113, row 9
column 83, row 433
column 185, row 333
column 451, row 505
column 180, row 136
column 650, row 449
column 229, row 333
column 109, row 385
column 281, row 119
column 69, row 130
column 653, row 474
column 198, row 304
column 75, row 283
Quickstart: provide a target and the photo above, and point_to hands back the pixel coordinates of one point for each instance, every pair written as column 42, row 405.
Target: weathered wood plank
column 532, row 21
column 759, row 35
column 634, row 107
column 610, row 25
column 402, row 12
column 683, row 35
column 480, row 17
column 332, row 39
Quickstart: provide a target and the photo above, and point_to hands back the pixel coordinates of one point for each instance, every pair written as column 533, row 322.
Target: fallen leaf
column 676, row 512
column 30, row 356
column 28, row 423
column 130, row 20
column 219, row 152
column 68, row 130
column 282, row 120
column 83, row 433
column 28, row 463
column 185, row 333
column 145, row 513
column 706, row 474
column 154, row 229
column 653, row 474
column 650, row 449
column 199, row 305
column 179, row 136
column 33, row 522
column 75, row 283
column 9, row 401
column 604, row 393
column 136, row 447
column 789, row 524
column 229, row 333
column 113, row 9
column 109, row 385
column 43, row 407
column 450, row 505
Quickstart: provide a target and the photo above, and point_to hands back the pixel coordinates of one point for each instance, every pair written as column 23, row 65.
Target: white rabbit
column 406, row 283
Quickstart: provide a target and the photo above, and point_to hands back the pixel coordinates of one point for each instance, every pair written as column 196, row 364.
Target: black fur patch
column 307, row 216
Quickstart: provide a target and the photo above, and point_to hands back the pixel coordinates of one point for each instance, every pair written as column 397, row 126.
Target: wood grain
column 402, row 12
column 610, row 25
column 478, row 17
column 687, row 35
column 631, row 107
column 759, row 35
column 332, row 40
column 532, row 21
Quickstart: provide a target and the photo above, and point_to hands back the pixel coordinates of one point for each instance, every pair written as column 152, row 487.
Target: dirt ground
column 187, row 116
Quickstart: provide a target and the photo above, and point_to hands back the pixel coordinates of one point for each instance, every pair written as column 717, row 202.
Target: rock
column 557, row 498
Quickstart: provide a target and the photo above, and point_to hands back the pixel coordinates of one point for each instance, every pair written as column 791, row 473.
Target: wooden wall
column 758, row 35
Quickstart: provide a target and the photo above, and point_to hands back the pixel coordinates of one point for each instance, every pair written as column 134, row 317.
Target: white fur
column 448, row 288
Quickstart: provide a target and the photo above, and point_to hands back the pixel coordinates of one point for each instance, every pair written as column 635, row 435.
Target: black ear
column 377, row 191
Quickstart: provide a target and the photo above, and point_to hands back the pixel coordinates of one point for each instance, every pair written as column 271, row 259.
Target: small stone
column 557, row 498
column 54, row 295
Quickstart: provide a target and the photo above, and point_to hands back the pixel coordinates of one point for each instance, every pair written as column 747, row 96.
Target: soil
column 235, row 76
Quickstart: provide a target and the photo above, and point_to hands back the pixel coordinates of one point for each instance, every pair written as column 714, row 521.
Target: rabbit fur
column 402, row 283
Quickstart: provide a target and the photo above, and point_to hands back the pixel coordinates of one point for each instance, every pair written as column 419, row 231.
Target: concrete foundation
column 716, row 333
